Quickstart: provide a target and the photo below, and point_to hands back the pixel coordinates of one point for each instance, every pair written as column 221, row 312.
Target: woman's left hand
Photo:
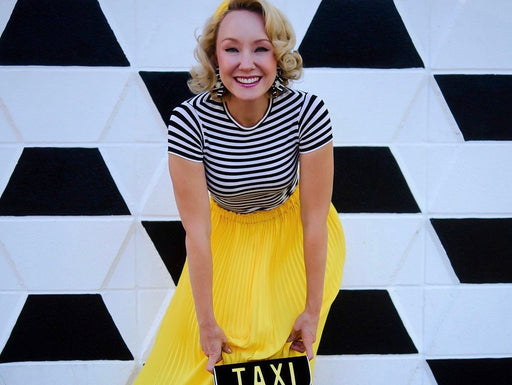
column 303, row 334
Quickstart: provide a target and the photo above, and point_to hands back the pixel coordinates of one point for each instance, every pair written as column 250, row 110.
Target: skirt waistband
column 293, row 202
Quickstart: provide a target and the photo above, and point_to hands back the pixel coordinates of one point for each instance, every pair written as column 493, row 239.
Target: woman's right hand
column 213, row 343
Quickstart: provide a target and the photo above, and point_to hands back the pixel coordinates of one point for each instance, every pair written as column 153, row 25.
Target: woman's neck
column 247, row 113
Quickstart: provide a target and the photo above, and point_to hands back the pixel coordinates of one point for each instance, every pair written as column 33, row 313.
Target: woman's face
column 245, row 55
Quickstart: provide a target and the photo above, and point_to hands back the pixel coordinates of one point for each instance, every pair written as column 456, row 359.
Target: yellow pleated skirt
column 259, row 289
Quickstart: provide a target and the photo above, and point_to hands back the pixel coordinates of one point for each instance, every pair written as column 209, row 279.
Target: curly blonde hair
column 278, row 29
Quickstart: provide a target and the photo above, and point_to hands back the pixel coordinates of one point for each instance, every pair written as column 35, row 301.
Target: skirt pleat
column 259, row 289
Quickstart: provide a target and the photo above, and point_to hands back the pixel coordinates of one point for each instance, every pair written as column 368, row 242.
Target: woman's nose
column 246, row 61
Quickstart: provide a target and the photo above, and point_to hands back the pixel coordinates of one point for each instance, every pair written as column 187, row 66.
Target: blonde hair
column 278, row 29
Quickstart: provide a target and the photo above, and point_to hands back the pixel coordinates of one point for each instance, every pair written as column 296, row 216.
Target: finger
column 293, row 336
column 308, row 345
column 226, row 348
column 212, row 360
column 298, row 346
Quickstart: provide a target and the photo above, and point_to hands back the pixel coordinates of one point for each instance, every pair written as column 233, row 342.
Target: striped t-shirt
column 256, row 168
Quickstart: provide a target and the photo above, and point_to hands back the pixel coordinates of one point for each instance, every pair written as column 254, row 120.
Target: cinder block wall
column 90, row 240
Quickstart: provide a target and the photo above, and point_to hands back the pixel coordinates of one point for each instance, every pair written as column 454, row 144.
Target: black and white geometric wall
column 90, row 240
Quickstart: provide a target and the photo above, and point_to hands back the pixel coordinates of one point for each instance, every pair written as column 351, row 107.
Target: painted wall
column 90, row 241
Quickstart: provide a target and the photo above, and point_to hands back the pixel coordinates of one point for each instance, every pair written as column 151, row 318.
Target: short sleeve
column 315, row 128
column 184, row 135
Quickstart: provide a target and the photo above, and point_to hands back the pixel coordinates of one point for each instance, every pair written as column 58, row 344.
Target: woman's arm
column 316, row 180
column 191, row 195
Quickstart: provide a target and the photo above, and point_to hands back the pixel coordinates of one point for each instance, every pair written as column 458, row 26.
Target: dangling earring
column 278, row 85
column 219, row 86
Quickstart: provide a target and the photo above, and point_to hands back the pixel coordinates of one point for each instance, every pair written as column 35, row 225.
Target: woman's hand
column 303, row 334
column 213, row 343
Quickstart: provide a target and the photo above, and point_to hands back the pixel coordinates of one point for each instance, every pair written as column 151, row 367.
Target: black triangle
column 169, row 240
column 59, row 33
column 480, row 104
column 478, row 248
column 167, row 89
column 358, row 33
column 364, row 322
column 472, row 371
column 65, row 328
column 369, row 180
column 61, row 181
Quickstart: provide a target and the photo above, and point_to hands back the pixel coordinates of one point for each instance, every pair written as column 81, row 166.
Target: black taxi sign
column 281, row 371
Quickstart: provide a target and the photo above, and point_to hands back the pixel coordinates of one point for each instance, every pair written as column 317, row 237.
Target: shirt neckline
column 251, row 127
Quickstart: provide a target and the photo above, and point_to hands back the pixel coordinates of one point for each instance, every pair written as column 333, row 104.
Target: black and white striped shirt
column 256, row 168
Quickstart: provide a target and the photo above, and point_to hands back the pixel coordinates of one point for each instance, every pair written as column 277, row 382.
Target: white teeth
column 248, row 80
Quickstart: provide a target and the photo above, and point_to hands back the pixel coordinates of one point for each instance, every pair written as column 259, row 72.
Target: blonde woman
column 265, row 247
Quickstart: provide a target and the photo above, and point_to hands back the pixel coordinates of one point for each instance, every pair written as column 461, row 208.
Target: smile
column 248, row 81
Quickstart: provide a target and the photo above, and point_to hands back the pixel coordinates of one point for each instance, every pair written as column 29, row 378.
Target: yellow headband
column 222, row 8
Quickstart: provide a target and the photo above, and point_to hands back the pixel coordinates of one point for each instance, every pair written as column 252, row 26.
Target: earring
column 278, row 86
column 219, row 86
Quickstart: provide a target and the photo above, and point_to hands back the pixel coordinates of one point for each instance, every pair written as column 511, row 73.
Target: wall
column 90, row 241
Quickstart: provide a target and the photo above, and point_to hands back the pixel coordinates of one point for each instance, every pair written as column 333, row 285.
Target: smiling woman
column 264, row 261
column 277, row 29
column 247, row 67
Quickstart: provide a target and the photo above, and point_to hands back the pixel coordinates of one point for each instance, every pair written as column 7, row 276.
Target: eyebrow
column 266, row 40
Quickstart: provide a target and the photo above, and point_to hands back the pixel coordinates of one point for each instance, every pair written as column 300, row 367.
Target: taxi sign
column 281, row 371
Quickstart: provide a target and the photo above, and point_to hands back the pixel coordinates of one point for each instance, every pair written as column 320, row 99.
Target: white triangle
column 379, row 251
column 64, row 254
column 10, row 279
column 65, row 103
column 151, row 270
column 364, row 102
column 167, row 30
column 442, row 17
column 438, row 268
column 121, row 16
column 413, row 128
column 478, row 37
column 160, row 201
column 73, row 372
column 122, row 274
column 417, row 25
column 135, row 118
column 122, row 306
column 471, row 186
column 8, row 133
column 8, row 159
column 6, row 8
column 442, row 126
column 412, row 160
column 428, row 376
column 408, row 302
column 299, row 16
column 417, row 376
column 440, row 162
column 152, row 305
column 10, row 308
column 410, row 271
column 133, row 169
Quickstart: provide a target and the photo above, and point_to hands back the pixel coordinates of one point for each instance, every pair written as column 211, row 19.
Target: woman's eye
column 231, row 49
column 262, row 49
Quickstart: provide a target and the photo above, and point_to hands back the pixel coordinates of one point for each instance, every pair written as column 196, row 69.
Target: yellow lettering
column 277, row 372
column 238, row 372
column 292, row 373
column 258, row 376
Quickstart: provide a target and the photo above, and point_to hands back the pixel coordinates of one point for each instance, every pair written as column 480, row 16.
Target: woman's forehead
column 242, row 23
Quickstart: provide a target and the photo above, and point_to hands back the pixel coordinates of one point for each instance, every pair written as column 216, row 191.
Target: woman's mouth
column 248, row 81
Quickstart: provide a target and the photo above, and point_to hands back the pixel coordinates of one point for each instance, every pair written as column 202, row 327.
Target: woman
column 265, row 247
